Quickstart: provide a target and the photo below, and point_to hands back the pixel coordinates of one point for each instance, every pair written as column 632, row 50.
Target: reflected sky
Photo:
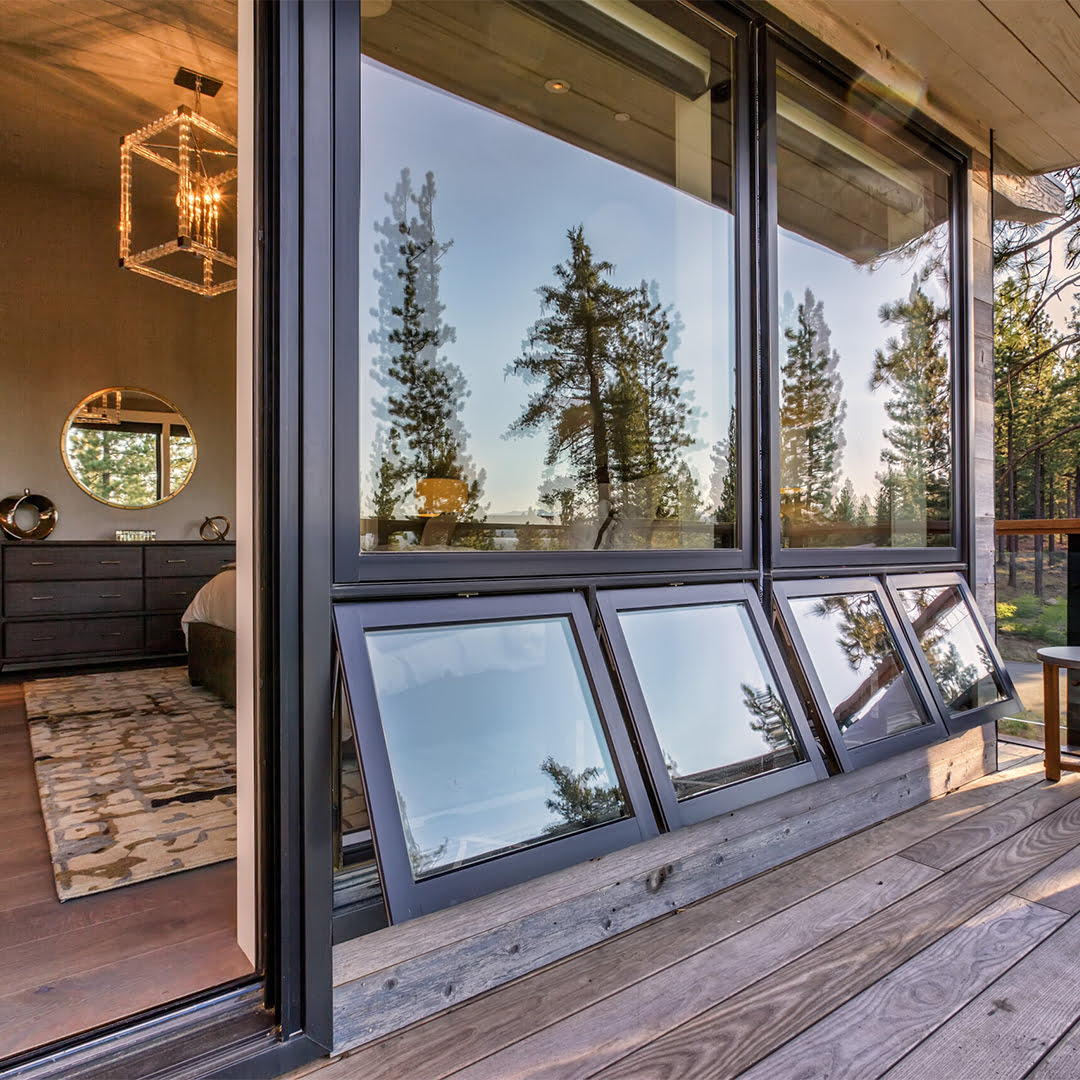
column 959, row 660
column 702, row 672
column 859, row 668
column 507, row 194
column 470, row 714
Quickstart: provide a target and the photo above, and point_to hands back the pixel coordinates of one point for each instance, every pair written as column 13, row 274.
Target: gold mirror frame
column 99, row 401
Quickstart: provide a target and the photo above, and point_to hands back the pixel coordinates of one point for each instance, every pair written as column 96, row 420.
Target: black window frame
column 853, row 757
column 677, row 813
column 406, row 898
column 954, row 722
column 842, row 82
column 353, row 566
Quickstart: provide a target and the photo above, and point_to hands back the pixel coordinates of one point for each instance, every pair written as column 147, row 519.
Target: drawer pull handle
column 111, row 596
column 42, row 597
column 43, row 562
column 176, row 560
column 47, row 637
column 115, row 633
column 181, row 593
column 109, row 562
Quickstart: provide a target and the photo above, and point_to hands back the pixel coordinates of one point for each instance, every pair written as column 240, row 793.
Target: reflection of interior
column 846, row 184
column 672, row 96
column 120, row 776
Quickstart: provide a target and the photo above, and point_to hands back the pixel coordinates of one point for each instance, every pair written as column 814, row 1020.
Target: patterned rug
column 136, row 771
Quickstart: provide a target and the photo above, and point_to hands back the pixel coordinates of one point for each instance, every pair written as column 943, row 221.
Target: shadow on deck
column 939, row 942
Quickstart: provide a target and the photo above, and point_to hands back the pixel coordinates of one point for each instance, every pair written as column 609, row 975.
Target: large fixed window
column 547, row 273
column 862, row 327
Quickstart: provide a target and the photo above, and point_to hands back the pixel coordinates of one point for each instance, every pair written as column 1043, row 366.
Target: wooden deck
column 942, row 942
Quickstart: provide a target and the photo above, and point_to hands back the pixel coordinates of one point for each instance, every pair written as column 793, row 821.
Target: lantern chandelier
column 193, row 148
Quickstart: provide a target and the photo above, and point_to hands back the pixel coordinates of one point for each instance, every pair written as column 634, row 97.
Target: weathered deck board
column 440, row 960
column 530, row 1004
column 893, row 1016
column 1005, row 1031
column 1058, row 886
column 599, row 1034
column 952, row 846
column 843, row 963
column 1063, row 1062
column 753, row 1024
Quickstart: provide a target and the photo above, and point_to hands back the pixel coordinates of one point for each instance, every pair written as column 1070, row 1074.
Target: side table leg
column 1051, row 722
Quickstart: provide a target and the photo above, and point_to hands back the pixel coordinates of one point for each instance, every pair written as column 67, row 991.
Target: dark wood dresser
column 88, row 601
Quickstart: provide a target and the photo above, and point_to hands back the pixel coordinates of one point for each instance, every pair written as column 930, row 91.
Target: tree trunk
column 1012, row 510
column 1051, row 541
column 1037, row 495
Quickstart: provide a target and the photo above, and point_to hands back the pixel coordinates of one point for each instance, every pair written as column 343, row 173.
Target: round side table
column 1066, row 656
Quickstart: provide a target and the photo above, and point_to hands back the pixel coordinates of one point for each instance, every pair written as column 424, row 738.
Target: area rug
column 136, row 771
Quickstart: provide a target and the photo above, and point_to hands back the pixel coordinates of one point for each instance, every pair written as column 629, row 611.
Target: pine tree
column 918, row 458
column 609, row 396
column 419, row 427
column 812, row 413
column 725, row 478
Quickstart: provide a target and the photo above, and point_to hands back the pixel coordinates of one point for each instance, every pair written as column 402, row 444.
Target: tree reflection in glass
column 493, row 736
column 864, row 328
column 958, row 658
column 614, row 427
column 712, row 699
column 865, row 683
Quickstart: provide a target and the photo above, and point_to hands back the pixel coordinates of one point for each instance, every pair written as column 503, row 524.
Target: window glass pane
column 865, row 683
column 493, row 736
column 958, row 657
column 712, row 699
column 864, row 330
column 546, row 274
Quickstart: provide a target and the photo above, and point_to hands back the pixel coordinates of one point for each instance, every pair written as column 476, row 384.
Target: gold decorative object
column 210, row 529
column 42, row 506
column 439, row 495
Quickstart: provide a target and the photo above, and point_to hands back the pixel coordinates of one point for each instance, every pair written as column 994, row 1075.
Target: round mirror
column 128, row 448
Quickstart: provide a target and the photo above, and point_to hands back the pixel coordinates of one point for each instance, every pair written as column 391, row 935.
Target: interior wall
column 72, row 322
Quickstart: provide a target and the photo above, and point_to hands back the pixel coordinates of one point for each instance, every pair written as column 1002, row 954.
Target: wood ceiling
column 77, row 75
column 1008, row 65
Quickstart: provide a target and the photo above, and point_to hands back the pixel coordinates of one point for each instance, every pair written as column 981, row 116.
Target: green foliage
column 578, row 801
column 610, row 400
column 812, row 411
column 420, row 434
column 916, row 482
column 117, row 466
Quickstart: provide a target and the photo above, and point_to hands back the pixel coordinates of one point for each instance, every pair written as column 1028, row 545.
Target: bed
column 209, row 626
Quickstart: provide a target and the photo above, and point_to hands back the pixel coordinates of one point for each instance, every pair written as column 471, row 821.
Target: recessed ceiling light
column 621, row 117
column 557, row 86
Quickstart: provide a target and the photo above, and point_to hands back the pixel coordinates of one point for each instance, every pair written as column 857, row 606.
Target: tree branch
column 1011, row 467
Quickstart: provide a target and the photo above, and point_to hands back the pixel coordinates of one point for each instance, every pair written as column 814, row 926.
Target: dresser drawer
column 47, row 562
column 167, row 560
column 172, row 593
column 72, row 637
column 164, row 635
column 71, row 597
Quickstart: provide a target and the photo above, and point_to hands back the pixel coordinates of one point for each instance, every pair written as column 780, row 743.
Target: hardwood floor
column 941, row 942
column 67, row 968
